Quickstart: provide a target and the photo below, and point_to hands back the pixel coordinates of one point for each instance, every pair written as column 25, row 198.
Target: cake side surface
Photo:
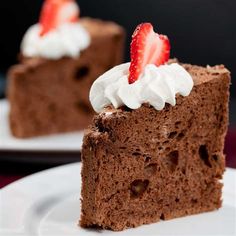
column 51, row 96
column 141, row 166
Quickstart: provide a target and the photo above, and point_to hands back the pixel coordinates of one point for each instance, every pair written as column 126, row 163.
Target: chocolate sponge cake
column 51, row 95
column 141, row 166
column 144, row 165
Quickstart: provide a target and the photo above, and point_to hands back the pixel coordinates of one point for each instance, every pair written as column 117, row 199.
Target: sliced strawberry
column 147, row 47
column 57, row 12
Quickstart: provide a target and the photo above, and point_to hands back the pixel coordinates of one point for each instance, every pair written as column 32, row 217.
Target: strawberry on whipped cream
column 58, row 33
column 146, row 79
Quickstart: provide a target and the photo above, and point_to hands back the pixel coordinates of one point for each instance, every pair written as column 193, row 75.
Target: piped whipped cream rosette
column 146, row 79
column 58, row 32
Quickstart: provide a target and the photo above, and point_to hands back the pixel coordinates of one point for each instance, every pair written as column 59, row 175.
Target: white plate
column 48, row 203
column 61, row 142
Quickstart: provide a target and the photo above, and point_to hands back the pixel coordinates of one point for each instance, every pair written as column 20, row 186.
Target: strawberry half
column 147, row 47
column 57, row 12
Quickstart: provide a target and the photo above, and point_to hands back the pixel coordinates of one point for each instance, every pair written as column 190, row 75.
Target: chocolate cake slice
column 51, row 96
column 143, row 165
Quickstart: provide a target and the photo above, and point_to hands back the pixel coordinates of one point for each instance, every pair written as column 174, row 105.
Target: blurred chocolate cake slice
column 50, row 95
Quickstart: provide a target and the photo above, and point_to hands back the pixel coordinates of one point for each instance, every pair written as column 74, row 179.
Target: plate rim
column 29, row 180
column 36, row 174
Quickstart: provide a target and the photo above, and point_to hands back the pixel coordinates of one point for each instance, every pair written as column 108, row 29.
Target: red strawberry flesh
column 147, row 47
column 54, row 14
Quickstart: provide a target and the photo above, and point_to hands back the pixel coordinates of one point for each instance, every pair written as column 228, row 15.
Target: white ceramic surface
column 61, row 142
column 47, row 203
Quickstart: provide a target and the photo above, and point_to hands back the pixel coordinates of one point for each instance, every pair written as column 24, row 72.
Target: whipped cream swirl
column 69, row 39
column 156, row 86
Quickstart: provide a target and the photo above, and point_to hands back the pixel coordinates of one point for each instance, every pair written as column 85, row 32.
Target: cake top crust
column 201, row 74
column 100, row 28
